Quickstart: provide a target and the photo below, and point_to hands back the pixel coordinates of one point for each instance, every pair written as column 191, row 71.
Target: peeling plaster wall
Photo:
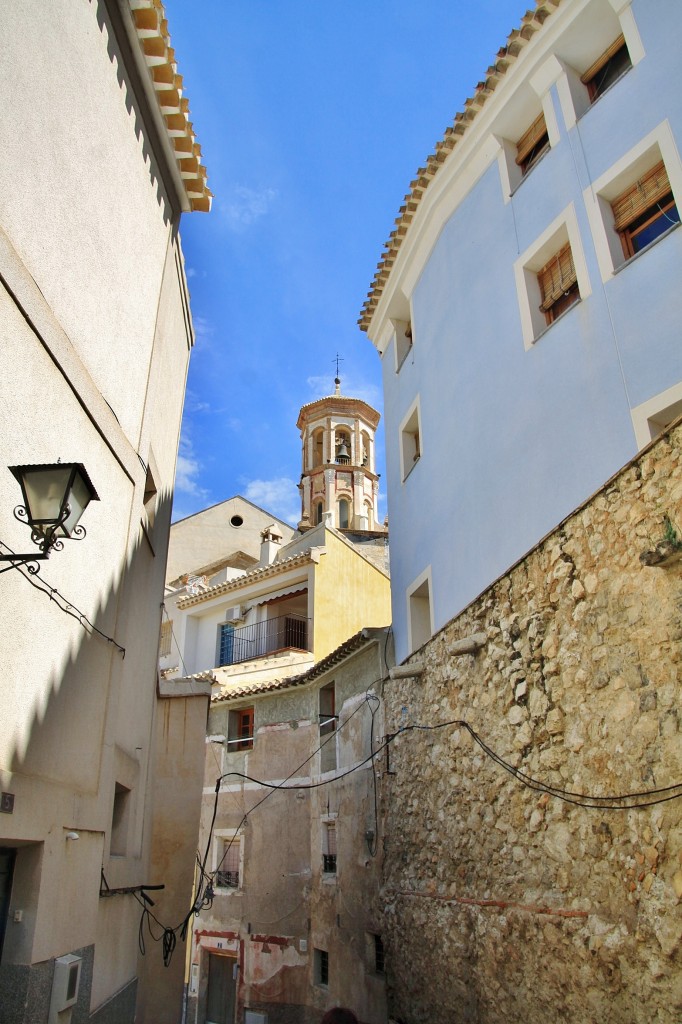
column 285, row 906
column 510, row 905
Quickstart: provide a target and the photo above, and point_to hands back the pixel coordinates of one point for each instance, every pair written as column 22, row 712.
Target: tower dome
column 339, row 483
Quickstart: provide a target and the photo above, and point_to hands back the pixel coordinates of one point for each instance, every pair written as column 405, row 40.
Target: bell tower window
column 344, row 514
column 318, row 447
column 342, row 447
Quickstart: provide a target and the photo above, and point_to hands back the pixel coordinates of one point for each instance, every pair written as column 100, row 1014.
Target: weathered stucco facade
column 510, row 904
column 292, row 923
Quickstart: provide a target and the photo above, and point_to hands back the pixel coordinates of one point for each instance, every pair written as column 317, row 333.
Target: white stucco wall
column 516, row 432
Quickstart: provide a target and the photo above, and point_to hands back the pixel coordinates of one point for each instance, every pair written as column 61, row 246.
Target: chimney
column 270, row 540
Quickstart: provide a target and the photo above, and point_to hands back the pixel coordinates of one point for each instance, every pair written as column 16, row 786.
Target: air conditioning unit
column 65, row 984
column 234, row 614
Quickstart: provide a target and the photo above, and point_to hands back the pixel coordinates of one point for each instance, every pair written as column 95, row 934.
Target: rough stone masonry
column 504, row 902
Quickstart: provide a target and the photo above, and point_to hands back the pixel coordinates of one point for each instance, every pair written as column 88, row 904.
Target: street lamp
column 55, row 497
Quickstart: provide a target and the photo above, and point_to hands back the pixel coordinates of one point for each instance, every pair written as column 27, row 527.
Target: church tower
column 339, row 482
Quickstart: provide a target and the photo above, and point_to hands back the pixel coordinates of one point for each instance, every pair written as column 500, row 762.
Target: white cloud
column 190, row 272
column 187, row 472
column 247, row 205
column 203, row 328
column 279, row 496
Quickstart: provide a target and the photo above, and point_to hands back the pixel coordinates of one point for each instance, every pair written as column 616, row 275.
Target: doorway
column 6, row 870
column 222, row 989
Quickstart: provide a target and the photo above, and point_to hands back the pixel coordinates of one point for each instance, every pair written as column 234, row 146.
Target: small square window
column 532, row 145
column 321, row 967
column 558, row 284
column 607, row 69
column 240, row 730
column 645, row 210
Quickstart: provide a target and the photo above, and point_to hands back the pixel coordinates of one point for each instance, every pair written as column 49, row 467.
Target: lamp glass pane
column 78, row 500
column 44, row 490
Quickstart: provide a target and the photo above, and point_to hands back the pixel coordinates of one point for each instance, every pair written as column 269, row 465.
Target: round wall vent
column 236, row 521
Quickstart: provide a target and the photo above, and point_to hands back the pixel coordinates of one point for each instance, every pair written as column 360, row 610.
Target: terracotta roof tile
column 152, row 32
column 354, row 643
column 304, row 558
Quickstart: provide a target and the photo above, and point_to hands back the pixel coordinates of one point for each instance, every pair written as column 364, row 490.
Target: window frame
column 232, row 839
column 321, row 967
column 602, row 193
column 596, row 90
column 532, row 145
column 330, row 839
column 240, row 729
column 410, row 439
column 558, row 295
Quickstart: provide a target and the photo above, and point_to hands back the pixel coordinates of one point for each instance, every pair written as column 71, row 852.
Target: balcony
column 286, row 632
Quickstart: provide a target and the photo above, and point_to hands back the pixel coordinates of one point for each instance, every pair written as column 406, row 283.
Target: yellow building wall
column 349, row 593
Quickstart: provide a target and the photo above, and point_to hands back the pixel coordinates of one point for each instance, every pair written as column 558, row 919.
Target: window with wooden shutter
column 607, row 69
column 558, row 284
column 645, row 210
column 166, row 638
column 240, row 730
column 532, row 145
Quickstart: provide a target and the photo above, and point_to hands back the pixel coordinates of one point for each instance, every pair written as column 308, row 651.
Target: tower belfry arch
column 339, row 483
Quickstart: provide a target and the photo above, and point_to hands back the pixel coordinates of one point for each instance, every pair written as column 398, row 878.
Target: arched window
column 368, row 524
column 342, row 444
column 366, row 454
column 318, row 513
column 344, row 514
column 318, row 447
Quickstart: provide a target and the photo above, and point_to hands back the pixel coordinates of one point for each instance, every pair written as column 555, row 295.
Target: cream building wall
column 95, row 344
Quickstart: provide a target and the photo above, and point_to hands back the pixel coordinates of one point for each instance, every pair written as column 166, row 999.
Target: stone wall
column 510, row 904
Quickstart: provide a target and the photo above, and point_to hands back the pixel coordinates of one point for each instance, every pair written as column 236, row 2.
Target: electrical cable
column 64, row 605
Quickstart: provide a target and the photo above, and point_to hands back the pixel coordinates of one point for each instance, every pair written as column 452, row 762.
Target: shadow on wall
column 110, row 21
column 80, row 761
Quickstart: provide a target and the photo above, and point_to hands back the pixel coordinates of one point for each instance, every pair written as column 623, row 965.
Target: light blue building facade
column 528, row 309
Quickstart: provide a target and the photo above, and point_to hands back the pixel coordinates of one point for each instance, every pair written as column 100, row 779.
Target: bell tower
column 339, row 482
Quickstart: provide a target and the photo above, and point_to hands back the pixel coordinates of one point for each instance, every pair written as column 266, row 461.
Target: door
column 222, row 987
column 6, row 869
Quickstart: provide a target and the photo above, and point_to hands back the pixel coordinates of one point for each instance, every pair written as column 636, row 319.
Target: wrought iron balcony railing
column 228, row 879
column 286, row 632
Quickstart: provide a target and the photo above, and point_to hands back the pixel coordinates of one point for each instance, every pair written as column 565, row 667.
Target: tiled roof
column 152, row 31
column 349, row 646
column 275, row 569
column 531, row 23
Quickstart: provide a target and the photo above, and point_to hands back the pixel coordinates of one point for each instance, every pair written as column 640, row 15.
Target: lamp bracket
column 28, row 560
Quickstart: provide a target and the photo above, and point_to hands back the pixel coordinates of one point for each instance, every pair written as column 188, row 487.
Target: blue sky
column 313, row 118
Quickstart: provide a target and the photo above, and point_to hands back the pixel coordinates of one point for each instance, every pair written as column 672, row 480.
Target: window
column 236, row 521
column 344, row 514
column 410, row 441
column 533, row 144
column 342, row 447
column 607, row 69
column 321, row 967
column 644, row 210
column 240, row 730
column 329, row 855
column 166, row 638
column 227, row 872
column 318, row 513
column 225, row 644
column 558, row 284
column 379, row 962
column 328, row 728
column 318, row 447
column 419, row 622
column 118, row 846
column 403, row 341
